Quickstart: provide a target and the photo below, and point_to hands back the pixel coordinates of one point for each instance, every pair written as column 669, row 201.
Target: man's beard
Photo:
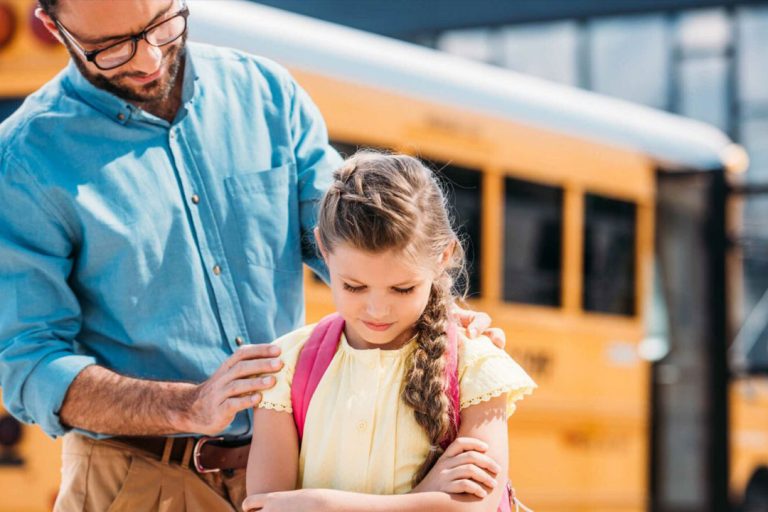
column 151, row 93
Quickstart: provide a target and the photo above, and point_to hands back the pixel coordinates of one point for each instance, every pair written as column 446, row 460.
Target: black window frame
column 541, row 283
column 597, row 296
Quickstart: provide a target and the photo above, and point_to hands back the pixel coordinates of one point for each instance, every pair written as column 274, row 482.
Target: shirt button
column 239, row 341
column 217, row 270
column 195, row 198
column 362, row 426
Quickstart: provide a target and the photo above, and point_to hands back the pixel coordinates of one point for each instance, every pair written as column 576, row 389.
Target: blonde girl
column 379, row 417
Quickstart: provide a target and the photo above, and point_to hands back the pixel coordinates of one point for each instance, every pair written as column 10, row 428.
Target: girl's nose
column 377, row 309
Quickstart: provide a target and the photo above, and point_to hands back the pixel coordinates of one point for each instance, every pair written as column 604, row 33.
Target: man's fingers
column 474, row 322
column 479, row 323
column 472, row 472
column 497, row 336
column 466, row 486
column 240, row 403
column 253, row 367
column 242, row 387
column 463, row 444
column 247, row 352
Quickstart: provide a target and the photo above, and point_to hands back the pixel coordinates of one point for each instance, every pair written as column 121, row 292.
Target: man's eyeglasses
column 120, row 52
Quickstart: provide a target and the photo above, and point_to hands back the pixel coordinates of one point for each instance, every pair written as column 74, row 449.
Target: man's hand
column 235, row 386
column 464, row 468
column 477, row 323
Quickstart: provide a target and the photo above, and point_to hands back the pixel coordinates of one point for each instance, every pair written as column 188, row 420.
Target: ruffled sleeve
column 486, row 372
column 279, row 397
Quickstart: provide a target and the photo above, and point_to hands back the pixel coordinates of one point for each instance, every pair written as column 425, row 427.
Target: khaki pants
column 99, row 476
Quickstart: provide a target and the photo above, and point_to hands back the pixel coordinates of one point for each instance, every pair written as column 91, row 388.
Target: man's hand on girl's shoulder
column 236, row 385
column 478, row 323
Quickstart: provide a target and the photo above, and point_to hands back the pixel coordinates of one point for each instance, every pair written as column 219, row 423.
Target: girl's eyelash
column 354, row 289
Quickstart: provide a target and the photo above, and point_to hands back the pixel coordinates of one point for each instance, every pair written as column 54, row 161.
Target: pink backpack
column 316, row 356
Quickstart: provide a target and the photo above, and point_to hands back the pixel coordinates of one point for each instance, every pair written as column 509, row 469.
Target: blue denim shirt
column 148, row 247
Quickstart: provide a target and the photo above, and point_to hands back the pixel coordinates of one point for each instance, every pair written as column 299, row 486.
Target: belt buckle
column 196, row 454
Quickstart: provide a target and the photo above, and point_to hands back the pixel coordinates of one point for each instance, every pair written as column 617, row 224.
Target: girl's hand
column 299, row 500
column 477, row 323
column 464, row 468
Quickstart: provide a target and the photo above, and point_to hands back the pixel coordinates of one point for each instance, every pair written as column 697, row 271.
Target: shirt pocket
column 266, row 211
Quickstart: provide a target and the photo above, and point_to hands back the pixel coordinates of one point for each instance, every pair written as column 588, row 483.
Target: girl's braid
column 424, row 388
column 359, row 198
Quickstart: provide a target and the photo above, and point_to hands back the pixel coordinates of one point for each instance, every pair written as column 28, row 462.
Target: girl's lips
column 377, row 327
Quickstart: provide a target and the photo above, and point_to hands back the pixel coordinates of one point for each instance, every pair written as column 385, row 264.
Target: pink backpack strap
column 452, row 382
column 314, row 359
column 452, row 390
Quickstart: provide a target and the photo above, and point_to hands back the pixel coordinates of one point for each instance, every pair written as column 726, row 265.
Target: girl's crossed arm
column 452, row 484
column 273, row 462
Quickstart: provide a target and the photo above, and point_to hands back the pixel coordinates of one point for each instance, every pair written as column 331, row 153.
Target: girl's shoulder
column 291, row 344
column 470, row 350
column 294, row 338
column 278, row 397
column 486, row 371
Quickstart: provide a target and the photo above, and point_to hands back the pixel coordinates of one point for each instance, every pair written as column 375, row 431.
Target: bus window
column 750, row 314
column 609, row 255
column 9, row 106
column 533, row 227
column 463, row 188
column 345, row 149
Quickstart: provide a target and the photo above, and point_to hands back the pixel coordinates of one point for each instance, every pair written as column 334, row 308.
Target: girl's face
column 380, row 295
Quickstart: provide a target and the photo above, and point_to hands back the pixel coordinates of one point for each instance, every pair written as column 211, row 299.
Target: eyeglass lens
column 159, row 35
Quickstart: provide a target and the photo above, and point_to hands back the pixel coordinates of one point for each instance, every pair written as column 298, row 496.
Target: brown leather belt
column 207, row 454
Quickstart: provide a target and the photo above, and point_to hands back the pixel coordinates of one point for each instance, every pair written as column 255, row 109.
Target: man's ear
column 319, row 243
column 49, row 24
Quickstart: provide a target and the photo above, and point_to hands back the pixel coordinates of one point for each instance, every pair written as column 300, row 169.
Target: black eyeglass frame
column 90, row 55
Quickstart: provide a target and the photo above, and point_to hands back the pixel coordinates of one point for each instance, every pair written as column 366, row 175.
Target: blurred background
column 704, row 59
column 623, row 249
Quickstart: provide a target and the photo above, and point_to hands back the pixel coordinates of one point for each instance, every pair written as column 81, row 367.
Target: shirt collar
column 189, row 86
column 115, row 107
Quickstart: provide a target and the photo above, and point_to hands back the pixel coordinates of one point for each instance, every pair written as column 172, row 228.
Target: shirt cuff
column 46, row 387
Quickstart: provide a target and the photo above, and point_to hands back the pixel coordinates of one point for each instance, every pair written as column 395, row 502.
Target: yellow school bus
column 570, row 203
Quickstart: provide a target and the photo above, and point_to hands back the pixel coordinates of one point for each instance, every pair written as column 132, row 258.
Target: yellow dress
column 359, row 435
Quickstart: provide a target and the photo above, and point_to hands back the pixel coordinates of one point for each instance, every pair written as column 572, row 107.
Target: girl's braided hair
column 381, row 202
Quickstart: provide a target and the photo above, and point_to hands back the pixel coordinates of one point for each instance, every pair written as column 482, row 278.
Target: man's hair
column 48, row 5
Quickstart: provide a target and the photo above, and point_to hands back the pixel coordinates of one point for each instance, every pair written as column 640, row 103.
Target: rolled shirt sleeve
column 39, row 313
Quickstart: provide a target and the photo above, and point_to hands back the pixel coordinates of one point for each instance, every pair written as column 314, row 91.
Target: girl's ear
column 447, row 254
column 319, row 243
